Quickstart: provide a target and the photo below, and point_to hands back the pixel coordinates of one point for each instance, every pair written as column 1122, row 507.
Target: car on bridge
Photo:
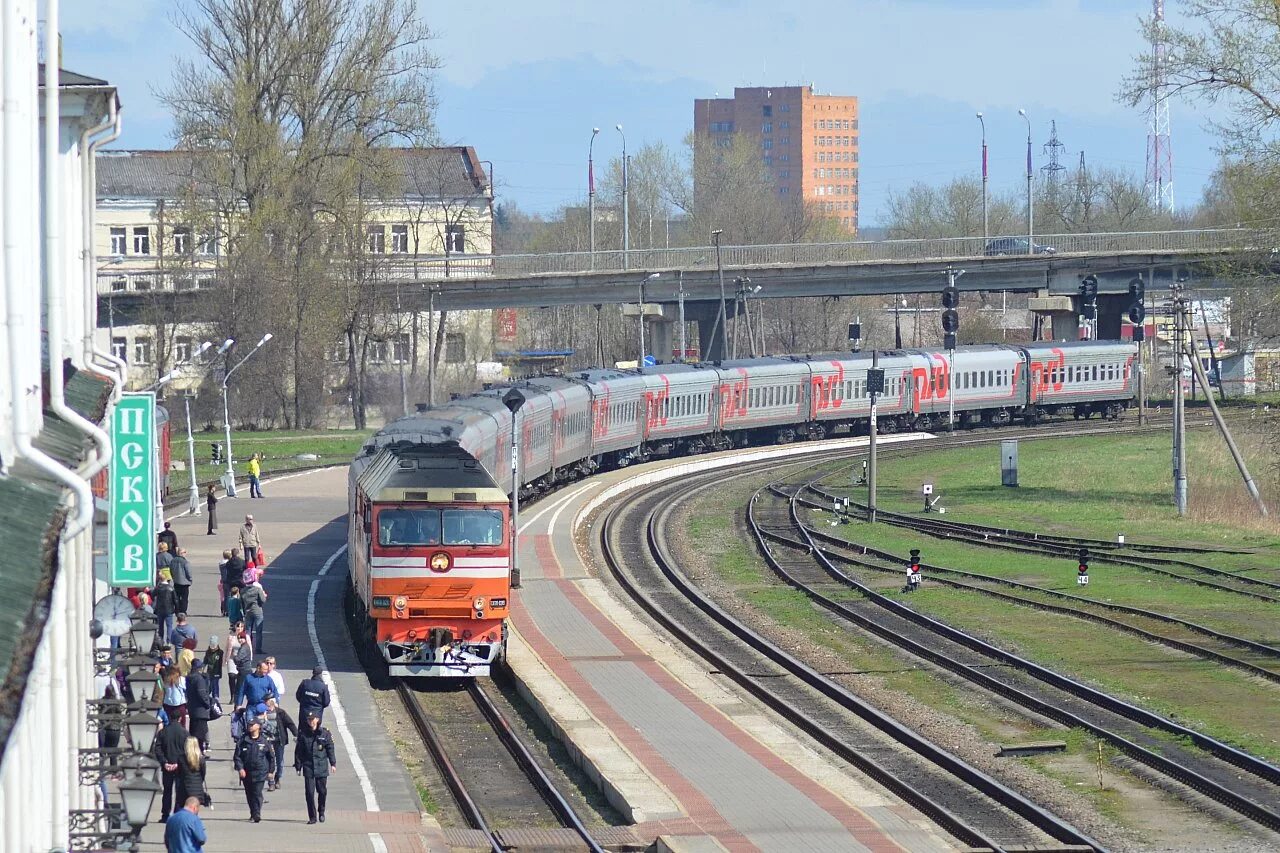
column 1015, row 246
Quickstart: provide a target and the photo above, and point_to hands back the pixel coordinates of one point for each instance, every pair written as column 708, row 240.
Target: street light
column 1031, row 246
column 986, row 232
column 591, row 191
column 645, row 281
column 163, row 380
column 194, row 496
column 230, row 485
column 626, row 222
column 513, row 400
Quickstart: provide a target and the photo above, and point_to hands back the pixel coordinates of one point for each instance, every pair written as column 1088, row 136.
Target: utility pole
column 875, row 386
column 722, row 321
column 1179, row 407
column 591, row 192
column 1054, row 148
column 986, row 229
column 1160, row 134
column 626, row 205
column 1031, row 176
column 684, row 350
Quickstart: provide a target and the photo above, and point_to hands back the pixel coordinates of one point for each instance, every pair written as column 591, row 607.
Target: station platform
column 373, row 805
column 677, row 752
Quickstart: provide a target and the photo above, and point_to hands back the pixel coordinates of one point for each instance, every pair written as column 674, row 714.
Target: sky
column 525, row 81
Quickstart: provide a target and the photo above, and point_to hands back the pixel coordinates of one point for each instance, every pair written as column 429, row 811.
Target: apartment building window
column 142, row 350
column 767, row 127
column 400, row 349
column 119, row 241
column 767, row 110
column 786, row 140
column 206, row 244
column 183, row 282
column 377, row 352
column 142, row 284
column 204, row 282
column 120, row 348
column 400, row 239
column 768, row 143
column 784, row 190
column 768, row 161
column 181, row 240
column 339, row 351
column 182, row 350
column 119, row 284
column 455, row 240
column 455, row 348
column 142, row 240
column 786, row 158
column 376, row 239
column 785, row 173
column 786, row 125
column 786, row 108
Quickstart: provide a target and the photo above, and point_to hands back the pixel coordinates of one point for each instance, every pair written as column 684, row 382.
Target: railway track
column 975, row 808
column 490, row 772
column 1242, row 782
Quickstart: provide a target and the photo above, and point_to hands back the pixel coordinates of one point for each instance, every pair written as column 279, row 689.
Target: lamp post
column 650, row 277
column 591, row 192
column 1031, row 245
column 194, row 495
column 226, row 415
column 722, row 320
column 986, row 231
column 513, row 400
column 626, row 222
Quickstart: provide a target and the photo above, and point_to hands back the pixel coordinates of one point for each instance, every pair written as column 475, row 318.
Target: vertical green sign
column 133, row 490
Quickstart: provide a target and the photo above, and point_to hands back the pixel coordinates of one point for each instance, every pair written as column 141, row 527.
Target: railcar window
column 1095, row 373
column 472, row 527
column 409, row 527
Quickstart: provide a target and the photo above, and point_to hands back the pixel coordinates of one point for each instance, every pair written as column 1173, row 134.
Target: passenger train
column 430, row 527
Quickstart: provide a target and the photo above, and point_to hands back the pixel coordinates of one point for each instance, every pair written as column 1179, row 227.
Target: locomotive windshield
column 408, row 527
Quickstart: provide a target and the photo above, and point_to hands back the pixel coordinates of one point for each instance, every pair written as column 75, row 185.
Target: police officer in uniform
column 315, row 759
column 313, row 696
column 255, row 761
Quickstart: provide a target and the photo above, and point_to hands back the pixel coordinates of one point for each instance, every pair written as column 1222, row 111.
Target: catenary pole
column 591, row 191
column 872, row 429
column 1179, row 410
column 1031, row 216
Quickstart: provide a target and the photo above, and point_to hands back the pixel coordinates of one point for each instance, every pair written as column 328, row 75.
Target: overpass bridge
column 855, row 268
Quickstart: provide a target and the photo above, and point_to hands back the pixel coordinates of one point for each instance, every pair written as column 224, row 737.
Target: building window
column 376, row 239
column 182, row 350
column 767, row 127
column 784, row 125
column 785, row 173
column 142, row 283
column 120, row 348
column 455, row 348
column 119, row 284
column 118, row 241
column 786, row 108
column 784, row 190
column 204, row 282
column 339, row 351
column 142, row 350
column 142, row 240
column 400, row 349
column 400, row 239
column 183, row 282
column 786, row 158
column 377, row 352
column 768, row 143
column 455, row 240
column 786, row 140
column 206, row 244
column 181, row 240
column 767, row 109
column 768, row 161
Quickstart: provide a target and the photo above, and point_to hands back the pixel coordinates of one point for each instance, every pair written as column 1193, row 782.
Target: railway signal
column 1137, row 308
column 1089, row 305
column 950, row 319
column 513, row 400
column 913, row 572
column 1082, row 568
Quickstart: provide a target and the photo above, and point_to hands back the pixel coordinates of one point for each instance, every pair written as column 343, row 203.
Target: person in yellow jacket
column 255, row 471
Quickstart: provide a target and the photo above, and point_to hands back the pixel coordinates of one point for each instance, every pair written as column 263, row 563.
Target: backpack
column 237, row 724
column 271, row 728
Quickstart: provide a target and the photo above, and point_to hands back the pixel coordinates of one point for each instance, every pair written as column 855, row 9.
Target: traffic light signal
column 913, row 571
column 1082, row 568
column 1089, row 297
column 1137, row 307
column 950, row 319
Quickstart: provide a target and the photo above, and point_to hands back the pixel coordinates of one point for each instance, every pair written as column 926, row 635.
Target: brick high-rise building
column 808, row 143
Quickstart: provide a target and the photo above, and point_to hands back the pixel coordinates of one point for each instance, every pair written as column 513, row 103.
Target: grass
column 279, row 449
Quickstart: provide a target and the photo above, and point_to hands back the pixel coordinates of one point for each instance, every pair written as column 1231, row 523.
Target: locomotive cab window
column 404, row 526
column 472, row 527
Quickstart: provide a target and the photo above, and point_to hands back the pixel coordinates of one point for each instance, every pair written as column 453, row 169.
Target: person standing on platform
column 224, row 583
column 181, row 571
column 169, row 749
column 278, row 727
column 255, row 762
column 250, row 539
column 183, row 630
column 175, row 694
column 256, row 688
column 255, row 473
column 213, row 658
column 277, row 678
column 199, row 703
column 211, row 506
column 313, row 695
column 235, row 607
column 315, row 757
column 168, row 538
column 253, row 598
column 191, row 773
column 239, row 660
column 164, row 558
column 185, row 832
column 165, row 605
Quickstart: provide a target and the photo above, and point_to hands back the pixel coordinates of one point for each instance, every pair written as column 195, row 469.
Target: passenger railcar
column 429, row 527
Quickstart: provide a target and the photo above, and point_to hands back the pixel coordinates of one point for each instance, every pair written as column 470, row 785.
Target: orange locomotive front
column 431, row 560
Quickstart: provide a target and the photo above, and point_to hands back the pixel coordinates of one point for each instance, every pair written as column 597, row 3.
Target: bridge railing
column 464, row 267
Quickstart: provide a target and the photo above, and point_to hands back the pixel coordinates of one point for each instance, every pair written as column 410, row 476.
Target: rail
column 115, row 277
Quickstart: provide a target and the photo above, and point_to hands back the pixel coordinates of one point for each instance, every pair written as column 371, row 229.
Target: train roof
column 440, row 473
column 1070, row 345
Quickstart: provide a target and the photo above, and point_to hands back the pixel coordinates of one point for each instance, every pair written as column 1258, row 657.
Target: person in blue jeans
column 184, row 831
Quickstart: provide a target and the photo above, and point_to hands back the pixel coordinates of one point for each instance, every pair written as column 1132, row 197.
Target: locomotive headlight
column 479, row 602
column 401, row 602
column 440, row 562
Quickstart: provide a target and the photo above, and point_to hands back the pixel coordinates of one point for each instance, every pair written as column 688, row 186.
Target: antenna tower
column 1159, row 136
column 1082, row 183
column 1053, row 148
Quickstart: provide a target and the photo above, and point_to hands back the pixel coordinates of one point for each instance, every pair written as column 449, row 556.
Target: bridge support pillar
column 711, row 337
column 662, row 331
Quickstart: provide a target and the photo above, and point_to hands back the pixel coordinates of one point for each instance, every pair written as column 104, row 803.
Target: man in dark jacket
column 255, row 762
column 169, row 748
column 199, row 703
column 182, row 579
column 169, row 537
column 313, row 695
column 315, row 758
column 278, row 727
column 233, row 571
